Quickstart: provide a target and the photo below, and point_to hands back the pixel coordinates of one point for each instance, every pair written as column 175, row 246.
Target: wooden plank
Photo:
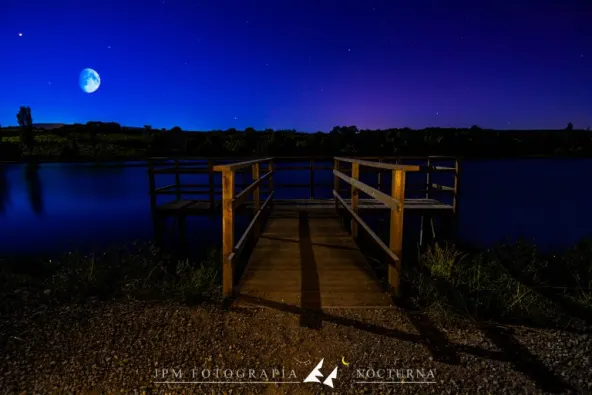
column 176, row 205
column 336, row 273
column 442, row 187
column 326, row 299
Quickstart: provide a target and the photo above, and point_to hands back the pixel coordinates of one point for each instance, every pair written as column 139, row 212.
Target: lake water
column 63, row 207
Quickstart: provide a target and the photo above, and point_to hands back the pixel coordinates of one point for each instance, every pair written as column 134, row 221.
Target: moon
column 89, row 80
column 343, row 361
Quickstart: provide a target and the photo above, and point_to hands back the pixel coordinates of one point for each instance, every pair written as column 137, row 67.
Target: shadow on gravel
column 523, row 360
column 512, row 351
column 436, row 341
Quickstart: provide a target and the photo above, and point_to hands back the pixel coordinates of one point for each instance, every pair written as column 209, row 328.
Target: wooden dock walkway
column 302, row 254
column 305, row 258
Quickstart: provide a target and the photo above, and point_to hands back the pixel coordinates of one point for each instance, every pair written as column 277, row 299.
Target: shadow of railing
column 437, row 344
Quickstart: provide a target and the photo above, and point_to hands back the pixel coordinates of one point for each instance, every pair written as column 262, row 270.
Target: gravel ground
column 128, row 346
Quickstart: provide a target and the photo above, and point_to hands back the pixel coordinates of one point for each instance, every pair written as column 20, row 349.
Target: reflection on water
column 57, row 207
column 34, row 188
column 4, row 189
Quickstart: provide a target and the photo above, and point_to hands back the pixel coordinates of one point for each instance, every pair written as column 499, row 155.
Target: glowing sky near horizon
column 305, row 65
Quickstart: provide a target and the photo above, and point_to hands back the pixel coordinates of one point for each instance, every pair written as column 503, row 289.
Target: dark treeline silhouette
column 473, row 142
column 109, row 140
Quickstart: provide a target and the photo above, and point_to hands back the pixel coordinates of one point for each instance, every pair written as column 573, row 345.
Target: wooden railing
column 212, row 190
column 230, row 201
column 395, row 201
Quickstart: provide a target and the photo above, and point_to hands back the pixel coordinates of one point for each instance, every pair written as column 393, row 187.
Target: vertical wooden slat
column 211, row 182
column 354, row 198
column 396, row 230
column 456, row 185
column 312, row 188
column 457, row 173
column 336, row 181
column 271, row 176
column 152, row 184
column 256, row 200
column 379, row 175
column 177, row 179
column 227, row 231
column 428, row 179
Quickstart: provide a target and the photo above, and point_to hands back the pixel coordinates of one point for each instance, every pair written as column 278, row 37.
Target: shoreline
column 116, row 159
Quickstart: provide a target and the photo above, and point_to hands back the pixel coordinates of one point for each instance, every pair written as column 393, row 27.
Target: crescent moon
column 343, row 361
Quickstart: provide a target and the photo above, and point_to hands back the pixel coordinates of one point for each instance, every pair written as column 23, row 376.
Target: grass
column 513, row 283
column 140, row 272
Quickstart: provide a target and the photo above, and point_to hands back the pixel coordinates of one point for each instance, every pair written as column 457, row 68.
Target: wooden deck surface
column 305, row 258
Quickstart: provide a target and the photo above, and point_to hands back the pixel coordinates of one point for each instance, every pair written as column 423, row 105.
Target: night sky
column 306, row 65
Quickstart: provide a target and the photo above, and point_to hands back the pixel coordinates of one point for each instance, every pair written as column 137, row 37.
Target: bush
column 480, row 286
column 140, row 271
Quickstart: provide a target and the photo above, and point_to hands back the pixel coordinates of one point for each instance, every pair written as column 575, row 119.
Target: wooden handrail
column 395, row 202
column 364, row 225
column 230, row 202
column 242, row 195
column 239, row 165
column 379, row 165
column 242, row 241
column 383, row 198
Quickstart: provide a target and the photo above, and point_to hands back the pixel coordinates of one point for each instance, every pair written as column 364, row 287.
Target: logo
column 313, row 377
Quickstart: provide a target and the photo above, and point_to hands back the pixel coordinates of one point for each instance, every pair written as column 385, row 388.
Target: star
column 20, row 34
column 108, row 46
column 348, row 50
column 437, row 113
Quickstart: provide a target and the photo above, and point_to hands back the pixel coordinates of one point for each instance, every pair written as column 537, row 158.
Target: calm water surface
column 61, row 207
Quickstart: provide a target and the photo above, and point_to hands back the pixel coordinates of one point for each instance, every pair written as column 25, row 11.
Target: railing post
column 336, row 181
column 427, row 196
column 227, row 231
column 354, row 198
column 379, row 174
column 457, row 185
column 211, row 182
column 312, row 188
column 270, row 167
column 256, row 199
column 177, row 179
column 152, row 184
column 396, row 231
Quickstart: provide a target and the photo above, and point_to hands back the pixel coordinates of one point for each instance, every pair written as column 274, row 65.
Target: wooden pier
column 299, row 252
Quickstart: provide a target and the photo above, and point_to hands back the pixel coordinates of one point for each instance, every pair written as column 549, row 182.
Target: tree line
column 98, row 139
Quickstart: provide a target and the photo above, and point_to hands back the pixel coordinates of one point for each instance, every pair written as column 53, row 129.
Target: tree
column 25, row 121
column 569, row 126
